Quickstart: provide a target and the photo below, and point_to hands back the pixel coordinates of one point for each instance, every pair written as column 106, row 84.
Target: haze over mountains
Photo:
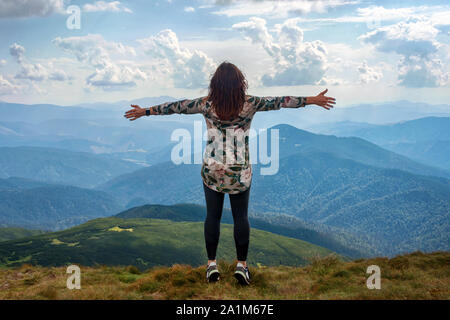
column 425, row 140
column 370, row 180
column 26, row 204
column 61, row 166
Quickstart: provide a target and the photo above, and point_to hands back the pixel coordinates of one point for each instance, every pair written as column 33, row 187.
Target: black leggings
column 239, row 208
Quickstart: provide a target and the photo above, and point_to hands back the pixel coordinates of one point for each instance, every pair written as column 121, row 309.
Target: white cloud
column 368, row 74
column 225, row 49
column 416, row 72
column 380, row 13
column 295, row 62
column 2, row 62
column 98, row 53
column 415, row 41
column 411, row 37
column 329, row 81
column 278, row 9
column 35, row 71
column 189, row 9
column 373, row 16
column 29, row 8
column 17, row 51
column 7, row 87
column 93, row 48
column 113, row 75
column 255, row 30
column 113, row 6
column 441, row 21
column 188, row 69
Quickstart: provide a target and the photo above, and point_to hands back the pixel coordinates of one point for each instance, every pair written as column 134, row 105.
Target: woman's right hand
column 134, row 113
column 322, row 101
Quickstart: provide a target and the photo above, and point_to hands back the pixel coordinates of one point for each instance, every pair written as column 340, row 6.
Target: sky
column 72, row 52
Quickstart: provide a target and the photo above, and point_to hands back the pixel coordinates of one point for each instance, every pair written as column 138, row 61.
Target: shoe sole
column 241, row 278
column 214, row 276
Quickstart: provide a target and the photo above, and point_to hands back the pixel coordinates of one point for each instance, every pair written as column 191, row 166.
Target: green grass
column 16, row 233
column 413, row 276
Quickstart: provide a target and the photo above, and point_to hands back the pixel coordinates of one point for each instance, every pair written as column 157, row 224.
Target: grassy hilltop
column 145, row 243
column 413, row 276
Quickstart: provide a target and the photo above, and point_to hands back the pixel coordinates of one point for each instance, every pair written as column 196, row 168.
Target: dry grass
column 413, row 276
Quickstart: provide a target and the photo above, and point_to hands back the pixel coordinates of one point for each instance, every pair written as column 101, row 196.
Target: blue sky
column 362, row 51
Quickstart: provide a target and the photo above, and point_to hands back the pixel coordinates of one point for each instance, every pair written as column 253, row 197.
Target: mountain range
column 400, row 210
column 373, row 178
column 425, row 140
column 37, row 205
column 61, row 166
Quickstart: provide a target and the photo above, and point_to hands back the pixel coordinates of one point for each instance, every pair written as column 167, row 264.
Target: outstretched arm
column 185, row 106
column 276, row 103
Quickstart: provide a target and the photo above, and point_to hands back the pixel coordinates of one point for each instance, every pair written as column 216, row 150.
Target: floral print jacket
column 226, row 166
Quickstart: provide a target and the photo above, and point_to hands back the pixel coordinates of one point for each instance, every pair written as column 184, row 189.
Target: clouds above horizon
column 35, row 71
column 6, row 87
column 368, row 74
column 127, row 47
column 116, row 66
column 44, row 8
column 113, row 6
column 94, row 51
column 29, row 8
column 415, row 41
column 277, row 9
column 296, row 62
column 188, row 69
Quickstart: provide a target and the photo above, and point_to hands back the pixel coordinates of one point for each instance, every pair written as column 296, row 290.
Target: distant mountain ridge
column 294, row 141
column 35, row 205
column 401, row 210
column 426, row 140
column 101, row 128
column 54, row 165
column 422, row 129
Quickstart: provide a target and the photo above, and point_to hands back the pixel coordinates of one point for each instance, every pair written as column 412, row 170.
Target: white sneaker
column 242, row 274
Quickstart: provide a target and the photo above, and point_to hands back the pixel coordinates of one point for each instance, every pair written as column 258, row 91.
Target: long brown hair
column 227, row 91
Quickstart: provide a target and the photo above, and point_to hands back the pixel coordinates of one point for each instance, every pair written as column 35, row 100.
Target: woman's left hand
column 322, row 100
column 134, row 113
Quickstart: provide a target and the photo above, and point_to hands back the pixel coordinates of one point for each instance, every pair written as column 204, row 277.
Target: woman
column 228, row 108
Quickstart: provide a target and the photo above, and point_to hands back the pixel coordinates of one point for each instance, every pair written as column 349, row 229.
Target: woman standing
column 228, row 108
